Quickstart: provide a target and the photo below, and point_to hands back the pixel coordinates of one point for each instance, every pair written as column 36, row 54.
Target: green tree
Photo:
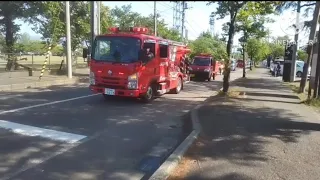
column 302, row 55
column 232, row 9
column 250, row 22
column 205, row 43
column 257, row 49
column 51, row 23
column 9, row 12
column 124, row 17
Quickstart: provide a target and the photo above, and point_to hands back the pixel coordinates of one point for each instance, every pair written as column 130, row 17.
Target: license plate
column 108, row 91
column 192, row 75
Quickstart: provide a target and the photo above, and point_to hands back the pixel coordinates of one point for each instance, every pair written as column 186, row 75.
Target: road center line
column 45, row 133
column 46, row 104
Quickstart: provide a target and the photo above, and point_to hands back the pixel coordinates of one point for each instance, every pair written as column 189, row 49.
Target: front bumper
column 117, row 92
column 199, row 74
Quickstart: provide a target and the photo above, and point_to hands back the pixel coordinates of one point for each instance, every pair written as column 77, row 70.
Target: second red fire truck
column 131, row 63
column 204, row 66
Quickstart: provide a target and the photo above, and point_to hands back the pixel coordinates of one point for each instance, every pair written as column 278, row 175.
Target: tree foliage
column 233, row 9
column 125, row 18
column 9, row 12
column 205, row 43
column 257, row 50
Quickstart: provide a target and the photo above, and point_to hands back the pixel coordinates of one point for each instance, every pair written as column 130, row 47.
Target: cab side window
column 152, row 47
column 163, row 51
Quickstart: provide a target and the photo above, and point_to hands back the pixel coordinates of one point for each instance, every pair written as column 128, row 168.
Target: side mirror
column 85, row 53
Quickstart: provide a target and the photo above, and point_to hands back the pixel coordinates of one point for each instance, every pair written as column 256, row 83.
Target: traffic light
column 288, row 54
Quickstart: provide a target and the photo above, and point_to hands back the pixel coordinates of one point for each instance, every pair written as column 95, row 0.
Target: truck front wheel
column 149, row 95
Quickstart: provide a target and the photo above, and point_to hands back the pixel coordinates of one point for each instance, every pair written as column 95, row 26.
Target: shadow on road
column 120, row 132
column 240, row 131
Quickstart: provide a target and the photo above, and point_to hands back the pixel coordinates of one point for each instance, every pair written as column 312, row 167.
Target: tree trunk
column 244, row 64
column 226, row 76
column 310, row 47
column 9, row 42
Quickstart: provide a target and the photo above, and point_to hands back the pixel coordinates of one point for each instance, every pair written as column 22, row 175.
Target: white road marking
column 66, row 148
column 45, row 133
column 46, row 104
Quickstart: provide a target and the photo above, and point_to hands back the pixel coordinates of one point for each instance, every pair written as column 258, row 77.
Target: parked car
column 233, row 65
column 299, row 68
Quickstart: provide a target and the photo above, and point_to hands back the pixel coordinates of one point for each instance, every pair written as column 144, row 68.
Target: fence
column 35, row 62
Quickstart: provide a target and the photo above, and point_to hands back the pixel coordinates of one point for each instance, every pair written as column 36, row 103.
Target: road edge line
column 163, row 172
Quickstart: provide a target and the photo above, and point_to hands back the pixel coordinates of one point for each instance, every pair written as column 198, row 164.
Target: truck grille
column 112, row 82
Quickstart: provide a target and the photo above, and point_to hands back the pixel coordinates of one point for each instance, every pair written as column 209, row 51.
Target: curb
column 163, row 172
column 38, row 84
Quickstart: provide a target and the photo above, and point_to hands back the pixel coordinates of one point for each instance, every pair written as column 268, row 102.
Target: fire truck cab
column 204, row 66
column 133, row 64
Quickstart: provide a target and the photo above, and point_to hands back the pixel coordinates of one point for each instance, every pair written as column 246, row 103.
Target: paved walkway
column 21, row 80
column 265, row 134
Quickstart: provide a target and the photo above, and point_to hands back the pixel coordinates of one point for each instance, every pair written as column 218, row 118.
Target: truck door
column 164, row 60
column 172, row 70
column 150, row 67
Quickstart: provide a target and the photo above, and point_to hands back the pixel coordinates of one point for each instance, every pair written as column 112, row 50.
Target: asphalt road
column 68, row 133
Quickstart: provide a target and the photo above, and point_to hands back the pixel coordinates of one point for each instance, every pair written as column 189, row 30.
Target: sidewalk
column 20, row 80
column 265, row 134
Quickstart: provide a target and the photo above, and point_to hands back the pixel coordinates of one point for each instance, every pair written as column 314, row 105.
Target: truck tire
column 178, row 89
column 209, row 78
column 150, row 94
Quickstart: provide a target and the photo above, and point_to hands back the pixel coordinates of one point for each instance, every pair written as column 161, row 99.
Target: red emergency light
column 139, row 30
column 115, row 29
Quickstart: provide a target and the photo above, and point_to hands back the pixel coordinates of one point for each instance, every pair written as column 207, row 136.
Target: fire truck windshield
column 201, row 61
column 116, row 49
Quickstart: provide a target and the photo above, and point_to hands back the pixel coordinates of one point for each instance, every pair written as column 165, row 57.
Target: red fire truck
column 204, row 66
column 131, row 63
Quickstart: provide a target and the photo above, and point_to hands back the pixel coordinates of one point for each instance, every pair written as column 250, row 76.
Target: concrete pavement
column 65, row 132
column 263, row 134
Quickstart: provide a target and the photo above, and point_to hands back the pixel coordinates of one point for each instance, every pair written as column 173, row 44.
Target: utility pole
column 183, row 18
column 94, row 28
column 295, row 47
column 98, row 17
column 316, row 81
column 310, row 47
column 68, row 39
column 177, row 10
column 211, row 23
column 155, row 17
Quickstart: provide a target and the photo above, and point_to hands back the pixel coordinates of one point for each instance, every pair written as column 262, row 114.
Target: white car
column 299, row 68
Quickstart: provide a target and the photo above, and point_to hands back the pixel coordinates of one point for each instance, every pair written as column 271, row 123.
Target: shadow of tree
column 126, row 131
column 239, row 133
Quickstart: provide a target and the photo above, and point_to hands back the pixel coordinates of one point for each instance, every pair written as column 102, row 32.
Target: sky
column 197, row 18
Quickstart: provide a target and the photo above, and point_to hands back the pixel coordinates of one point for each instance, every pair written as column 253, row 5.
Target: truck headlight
column 133, row 81
column 92, row 79
column 206, row 70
